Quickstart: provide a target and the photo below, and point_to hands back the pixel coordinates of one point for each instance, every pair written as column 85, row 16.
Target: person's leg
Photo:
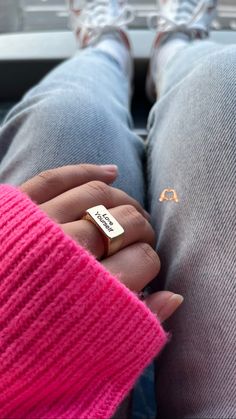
column 192, row 150
column 78, row 113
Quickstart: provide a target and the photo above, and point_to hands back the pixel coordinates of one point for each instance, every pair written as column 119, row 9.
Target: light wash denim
column 192, row 149
column 80, row 113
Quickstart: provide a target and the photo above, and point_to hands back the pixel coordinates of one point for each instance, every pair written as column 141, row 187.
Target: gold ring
column 111, row 230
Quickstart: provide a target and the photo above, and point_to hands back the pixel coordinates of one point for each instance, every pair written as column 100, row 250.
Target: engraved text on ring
column 105, row 220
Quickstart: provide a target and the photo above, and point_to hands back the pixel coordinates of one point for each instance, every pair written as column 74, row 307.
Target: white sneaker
column 93, row 18
column 192, row 17
column 189, row 17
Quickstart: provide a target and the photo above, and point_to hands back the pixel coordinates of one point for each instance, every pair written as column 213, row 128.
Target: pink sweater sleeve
column 73, row 340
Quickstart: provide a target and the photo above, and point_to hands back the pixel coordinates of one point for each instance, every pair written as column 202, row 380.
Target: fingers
column 66, row 192
column 71, row 205
column 135, row 265
column 136, row 227
column 51, row 183
column 164, row 304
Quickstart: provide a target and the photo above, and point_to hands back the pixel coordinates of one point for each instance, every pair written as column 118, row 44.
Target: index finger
column 51, row 183
column 71, row 205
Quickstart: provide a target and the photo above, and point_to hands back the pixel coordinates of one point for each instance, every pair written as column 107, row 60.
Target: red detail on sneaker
column 158, row 39
column 86, row 38
column 124, row 38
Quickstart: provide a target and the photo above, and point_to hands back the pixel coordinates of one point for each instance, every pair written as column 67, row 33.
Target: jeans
column 80, row 113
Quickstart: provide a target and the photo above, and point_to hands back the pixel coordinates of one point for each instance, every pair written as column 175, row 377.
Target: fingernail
column 110, row 168
column 170, row 307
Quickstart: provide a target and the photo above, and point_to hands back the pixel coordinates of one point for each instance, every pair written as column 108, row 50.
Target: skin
column 65, row 193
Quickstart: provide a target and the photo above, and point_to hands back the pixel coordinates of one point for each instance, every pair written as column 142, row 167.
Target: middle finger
column 71, row 205
column 136, row 229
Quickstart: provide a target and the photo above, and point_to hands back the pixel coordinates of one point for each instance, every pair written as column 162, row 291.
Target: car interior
column 35, row 36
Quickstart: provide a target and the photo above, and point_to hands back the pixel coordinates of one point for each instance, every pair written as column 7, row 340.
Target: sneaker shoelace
column 95, row 17
column 159, row 21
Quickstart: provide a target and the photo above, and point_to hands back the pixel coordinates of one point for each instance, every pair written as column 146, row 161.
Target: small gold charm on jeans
column 169, row 195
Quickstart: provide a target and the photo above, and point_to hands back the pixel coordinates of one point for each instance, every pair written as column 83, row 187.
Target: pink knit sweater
column 73, row 340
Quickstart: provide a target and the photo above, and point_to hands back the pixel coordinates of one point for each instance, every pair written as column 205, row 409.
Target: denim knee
column 212, row 88
column 75, row 126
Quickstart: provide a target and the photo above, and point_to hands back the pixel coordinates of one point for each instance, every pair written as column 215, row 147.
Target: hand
column 65, row 193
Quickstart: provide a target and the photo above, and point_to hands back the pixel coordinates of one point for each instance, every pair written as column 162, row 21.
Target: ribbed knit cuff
column 73, row 340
